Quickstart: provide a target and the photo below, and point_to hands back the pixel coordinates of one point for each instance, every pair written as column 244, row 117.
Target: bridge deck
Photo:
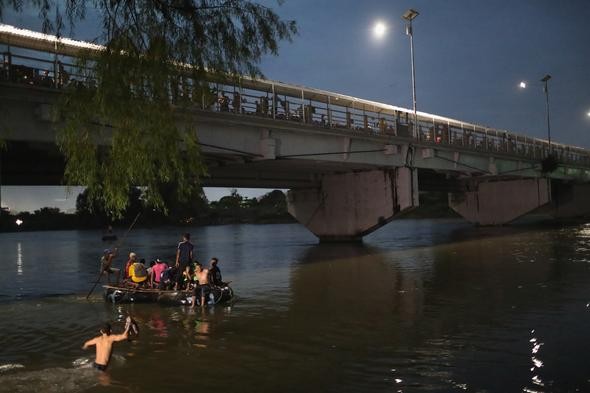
column 48, row 62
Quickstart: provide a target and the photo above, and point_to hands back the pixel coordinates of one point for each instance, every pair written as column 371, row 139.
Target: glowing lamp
column 379, row 29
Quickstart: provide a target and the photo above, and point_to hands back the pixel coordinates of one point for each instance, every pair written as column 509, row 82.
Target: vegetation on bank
column 233, row 208
column 271, row 208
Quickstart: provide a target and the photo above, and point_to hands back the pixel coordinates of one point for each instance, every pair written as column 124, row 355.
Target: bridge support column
column 500, row 202
column 346, row 207
column 570, row 200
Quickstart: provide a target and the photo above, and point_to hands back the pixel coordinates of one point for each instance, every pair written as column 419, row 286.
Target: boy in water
column 104, row 344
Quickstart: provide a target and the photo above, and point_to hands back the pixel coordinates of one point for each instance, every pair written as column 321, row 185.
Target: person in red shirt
column 156, row 275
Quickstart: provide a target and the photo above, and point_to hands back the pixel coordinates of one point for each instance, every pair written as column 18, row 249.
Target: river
column 420, row 306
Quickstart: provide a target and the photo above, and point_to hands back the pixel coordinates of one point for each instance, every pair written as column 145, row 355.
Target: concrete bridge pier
column 570, row 200
column 345, row 207
column 498, row 202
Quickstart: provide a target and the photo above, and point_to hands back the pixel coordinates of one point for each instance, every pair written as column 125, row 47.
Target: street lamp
column 545, row 79
column 409, row 16
column 379, row 29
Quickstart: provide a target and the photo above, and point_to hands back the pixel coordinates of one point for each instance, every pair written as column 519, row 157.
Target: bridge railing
column 40, row 61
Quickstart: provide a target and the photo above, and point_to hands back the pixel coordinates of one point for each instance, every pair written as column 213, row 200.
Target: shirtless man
column 202, row 276
column 104, row 344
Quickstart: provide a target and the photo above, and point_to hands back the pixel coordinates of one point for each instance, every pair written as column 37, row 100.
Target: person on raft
column 214, row 273
column 132, row 259
column 202, row 288
column 187, row 278
column 156, row 275
column 106, row 262
column 104, row 344
column 138, row 274
column 184, row 257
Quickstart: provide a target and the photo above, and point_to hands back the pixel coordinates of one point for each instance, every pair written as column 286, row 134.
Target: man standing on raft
column 184, row 257
column 106, row 262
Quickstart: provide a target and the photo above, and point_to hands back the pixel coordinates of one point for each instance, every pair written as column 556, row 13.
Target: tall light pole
column 409, row 16
column 545, row 79
column 546, row 90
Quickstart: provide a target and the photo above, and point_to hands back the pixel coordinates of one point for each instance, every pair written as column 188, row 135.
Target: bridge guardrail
column 48, row 61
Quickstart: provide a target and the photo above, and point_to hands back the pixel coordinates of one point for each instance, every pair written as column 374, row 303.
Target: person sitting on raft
column 106, row 262
column 150, row 268
column 187, row 278
column 104, row 344
column 168, row 279
column 157, row 271
column 132, row 259
column 215, row 274
column 137, row 274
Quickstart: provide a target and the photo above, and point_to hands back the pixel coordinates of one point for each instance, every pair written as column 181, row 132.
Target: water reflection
column 441, row 315
column 536, row 380
column 419, row 309
column 19, row 259
column 158, row 325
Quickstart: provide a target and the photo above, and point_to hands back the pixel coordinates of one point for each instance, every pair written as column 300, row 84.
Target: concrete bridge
column 352, row 165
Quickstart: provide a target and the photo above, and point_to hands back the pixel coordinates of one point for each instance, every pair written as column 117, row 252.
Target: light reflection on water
column 536, row 380
column 19, row 259
column 421, row 306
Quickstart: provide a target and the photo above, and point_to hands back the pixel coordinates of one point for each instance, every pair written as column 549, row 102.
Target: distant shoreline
column 271, row 209
column 120, row 228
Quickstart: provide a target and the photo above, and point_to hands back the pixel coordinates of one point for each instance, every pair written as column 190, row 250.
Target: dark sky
column 469, row 54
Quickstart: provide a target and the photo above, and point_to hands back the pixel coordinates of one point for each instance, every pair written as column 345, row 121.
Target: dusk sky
column 470, row 56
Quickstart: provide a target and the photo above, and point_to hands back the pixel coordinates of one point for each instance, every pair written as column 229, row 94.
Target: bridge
column 351, row 165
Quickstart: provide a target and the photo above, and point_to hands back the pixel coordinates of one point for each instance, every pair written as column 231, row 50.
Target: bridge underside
column 343, row 201
column 41, row 163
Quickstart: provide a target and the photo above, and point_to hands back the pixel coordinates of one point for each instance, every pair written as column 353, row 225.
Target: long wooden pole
column 102, row 268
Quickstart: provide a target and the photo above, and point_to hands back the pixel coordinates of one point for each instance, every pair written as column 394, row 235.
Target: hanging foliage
column 129, row 123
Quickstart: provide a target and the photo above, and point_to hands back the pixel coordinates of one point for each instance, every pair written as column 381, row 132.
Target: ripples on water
column 428, row 306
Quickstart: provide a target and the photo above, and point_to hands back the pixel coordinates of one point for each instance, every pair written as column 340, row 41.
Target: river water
column 420, row 306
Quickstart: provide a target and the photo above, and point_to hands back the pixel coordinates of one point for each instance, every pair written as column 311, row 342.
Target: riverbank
column 229, row 210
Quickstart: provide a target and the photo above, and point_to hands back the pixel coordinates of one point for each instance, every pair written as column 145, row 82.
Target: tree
column 195, row 207
column 126, row 130
column 275, row 199
column 47, row 212
column 232, row 202
column 91, row 213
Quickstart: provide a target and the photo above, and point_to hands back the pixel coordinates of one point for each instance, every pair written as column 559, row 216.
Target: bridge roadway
column 351, row 165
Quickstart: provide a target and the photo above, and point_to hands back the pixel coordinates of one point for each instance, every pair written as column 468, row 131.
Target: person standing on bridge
column 237, row 102
column 223, row 102
column 184, row 257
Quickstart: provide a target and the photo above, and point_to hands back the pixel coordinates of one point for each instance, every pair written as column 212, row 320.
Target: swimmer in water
column 104, row 344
